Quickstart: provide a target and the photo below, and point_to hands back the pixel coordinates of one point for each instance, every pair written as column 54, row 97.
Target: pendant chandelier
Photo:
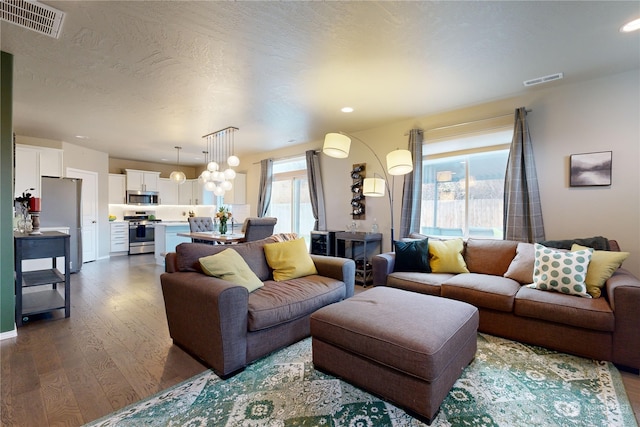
column 221, row 160
column 178, row 176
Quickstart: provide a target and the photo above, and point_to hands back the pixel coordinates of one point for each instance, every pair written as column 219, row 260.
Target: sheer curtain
column 266, row 180
column 316, row 192
column 522, row 207
column 412, row 188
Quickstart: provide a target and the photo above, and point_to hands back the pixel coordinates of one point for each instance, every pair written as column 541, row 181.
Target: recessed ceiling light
column 82, row 137
column 347, row 110
column 631, row 26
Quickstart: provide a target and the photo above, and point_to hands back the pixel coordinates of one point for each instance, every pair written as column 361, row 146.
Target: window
column 463, row 190
column 290, row 197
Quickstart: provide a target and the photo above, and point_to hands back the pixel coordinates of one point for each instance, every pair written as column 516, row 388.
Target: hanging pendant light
column 178, row 176
column 220, row 161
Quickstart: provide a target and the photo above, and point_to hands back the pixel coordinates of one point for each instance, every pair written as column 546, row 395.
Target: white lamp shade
column 399, row 162
column 233, row 161
column 229, row 174
column 373, row 187
column 210, row 186
column 226, row 185
column 219, row 191
column 336, row 145
column 217, row 176
column 205, row 175
column 212, row 166
column 178, row 177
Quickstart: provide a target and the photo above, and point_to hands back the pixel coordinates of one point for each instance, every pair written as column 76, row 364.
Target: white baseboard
column 9, row 334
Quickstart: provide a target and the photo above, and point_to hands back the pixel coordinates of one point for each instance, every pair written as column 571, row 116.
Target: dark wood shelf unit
column 323, row 243
column 49, row 244
column 354, row 246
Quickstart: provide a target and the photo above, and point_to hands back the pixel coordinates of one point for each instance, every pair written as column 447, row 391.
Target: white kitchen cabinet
column 200, row 195
column 238, row 193
column 51, row 162
column 142, row 180
column 168, row 191
column 119, row 237
column 185, row 193
column 117, row 188
column 32, row 162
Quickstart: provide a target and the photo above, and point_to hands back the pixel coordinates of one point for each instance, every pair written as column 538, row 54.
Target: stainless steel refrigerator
column 61, row 206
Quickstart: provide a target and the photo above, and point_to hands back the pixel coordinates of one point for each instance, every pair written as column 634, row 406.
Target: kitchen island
column 167, row 238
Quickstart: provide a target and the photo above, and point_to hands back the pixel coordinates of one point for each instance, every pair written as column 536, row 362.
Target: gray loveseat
column 227, row 327
column 605, row 328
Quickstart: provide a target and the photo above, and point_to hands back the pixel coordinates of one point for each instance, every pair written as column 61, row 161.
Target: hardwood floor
column 113, row 351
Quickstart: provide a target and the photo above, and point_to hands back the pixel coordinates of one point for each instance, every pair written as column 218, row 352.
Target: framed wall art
column 590, row 169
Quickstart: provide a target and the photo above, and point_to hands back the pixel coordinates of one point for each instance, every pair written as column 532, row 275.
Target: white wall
column 594, row 115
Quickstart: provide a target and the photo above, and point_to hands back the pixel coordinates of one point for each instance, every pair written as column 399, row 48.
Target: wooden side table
column 49, row 244
column 354, row 246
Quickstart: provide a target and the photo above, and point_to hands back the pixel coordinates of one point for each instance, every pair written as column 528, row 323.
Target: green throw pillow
column 446, row 256
column 412, row 256
column 563, row 272
column 289, row 260
column 230, row 266
column 602, row 265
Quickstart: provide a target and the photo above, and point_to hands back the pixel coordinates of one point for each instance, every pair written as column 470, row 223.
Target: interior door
column 89, row 212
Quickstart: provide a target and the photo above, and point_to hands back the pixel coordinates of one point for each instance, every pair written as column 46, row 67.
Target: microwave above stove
column 142, row 198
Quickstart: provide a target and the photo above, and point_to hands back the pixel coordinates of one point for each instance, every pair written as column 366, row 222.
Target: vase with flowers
column 24, row 223
column 223, row 215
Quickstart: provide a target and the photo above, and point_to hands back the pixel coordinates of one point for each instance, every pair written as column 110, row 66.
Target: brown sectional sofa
column 227, row 327
column 605, row 328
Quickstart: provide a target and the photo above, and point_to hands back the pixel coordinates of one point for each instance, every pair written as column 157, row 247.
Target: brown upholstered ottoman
column 405, row 347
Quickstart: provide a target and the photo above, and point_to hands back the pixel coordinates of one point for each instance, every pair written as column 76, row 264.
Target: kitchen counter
column 166, row 238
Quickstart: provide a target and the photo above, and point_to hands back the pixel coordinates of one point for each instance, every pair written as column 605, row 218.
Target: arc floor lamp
column 399, row 162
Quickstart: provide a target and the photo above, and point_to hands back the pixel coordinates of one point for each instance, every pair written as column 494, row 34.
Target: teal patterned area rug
column 507, row 384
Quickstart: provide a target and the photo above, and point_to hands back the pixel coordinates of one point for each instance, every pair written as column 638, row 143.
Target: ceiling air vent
column 32, row 15
column 545, row 79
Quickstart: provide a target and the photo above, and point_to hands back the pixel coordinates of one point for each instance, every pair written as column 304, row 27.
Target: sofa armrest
column 208, row 318
column 171, row 262
column 343, row 269
column 623, row 291
column 382, row 266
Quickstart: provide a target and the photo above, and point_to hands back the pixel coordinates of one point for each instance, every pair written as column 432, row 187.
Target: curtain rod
column 470, row 122
column 288, row 157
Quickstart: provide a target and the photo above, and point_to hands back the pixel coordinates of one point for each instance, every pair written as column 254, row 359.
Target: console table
column 354, row 246
column 49, row 244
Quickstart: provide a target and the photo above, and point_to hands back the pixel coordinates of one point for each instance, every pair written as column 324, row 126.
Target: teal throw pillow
column 564, row 272
column 412, row 256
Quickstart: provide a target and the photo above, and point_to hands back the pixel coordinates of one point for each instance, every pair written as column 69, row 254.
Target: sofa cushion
column 488, row 256
column 412, row 256
column 602, row 265
column 595, row 314
column 446, row 256
column 280, row 302
column 424, row 283
column 289, row 259
column 521, row 268
column 189, row 254
column 230, row 266
column 482, row 290
column 563, row 272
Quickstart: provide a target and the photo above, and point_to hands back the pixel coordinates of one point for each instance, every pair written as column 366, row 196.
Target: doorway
column 89, row 212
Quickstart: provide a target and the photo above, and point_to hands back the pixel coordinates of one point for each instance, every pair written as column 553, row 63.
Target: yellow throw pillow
column 446, row 256
column 289, row 260
column 603, row 264
column 230, row 266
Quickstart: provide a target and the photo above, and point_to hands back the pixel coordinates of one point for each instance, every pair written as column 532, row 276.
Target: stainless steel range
column 141, row 231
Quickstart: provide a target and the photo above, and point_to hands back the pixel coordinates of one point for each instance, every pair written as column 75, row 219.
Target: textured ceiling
column 139, row 77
